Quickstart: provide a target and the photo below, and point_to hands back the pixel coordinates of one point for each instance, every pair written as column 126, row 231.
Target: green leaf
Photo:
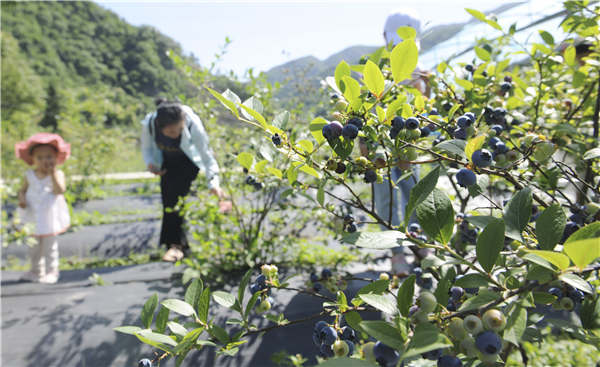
column 243, row 285
column 406, row 32
column 483, row 298
column 161, row 319
column 316, row 127
column 547, row 37
column 193, row 292
column 555, row 258
column 476, row 14
column 406, row 294
column 443, row 287
column 179, row 306
column 352, row 89
column 275, row 172
column 576, row 282
column 427, row 337
column 591, row 154
column 483, row 181
column 473, row 145
column 482, row 53
column 583, row 252
column 453, row 111
column 309, row 170
column 377, row 287
column 373, row 78
column 341, row 70
column 177, row 328
column 219, row 333
column 225, row 100
column 131, row 330
column 155, row 339
column 442, row 66
column 281, row 119
column 403, row 60
column 321, row 195
column 223, row 298
column 353, row 319
column 549, row 226
column 516, row 324
column 592, row 230
column 259, row 167
column 421, row 191
column 436, row 216
column 203, row 305
column 489, row 244
column 306, row 145
column 467, row 85
column 148, row 310
column 246, row 160
column 253, row 115
column 375, row 240
column 473, row 280
column 384, row 332
column 453, row 146
column 517, row 213
column 569, row 55
column 536, row 259
column 382, row 302
column 346, row 362
column 419, row 102
column 251, row 303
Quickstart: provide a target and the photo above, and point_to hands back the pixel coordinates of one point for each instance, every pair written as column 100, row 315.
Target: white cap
column 397, row 19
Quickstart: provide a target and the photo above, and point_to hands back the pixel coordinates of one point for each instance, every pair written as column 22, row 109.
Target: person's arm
column 22, row 191
column 201, row 140
column 146, row 147
column 59, row 185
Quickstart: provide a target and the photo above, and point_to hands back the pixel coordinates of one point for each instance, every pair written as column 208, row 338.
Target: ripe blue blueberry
column 456, row 293
column 326, row 273
column 385, row 355
column 351, row 228
column 326, row 350
column 319, row 326
column 425, row 282
column 508, row 79
column 314, row 277
column 418, row 272
column 356, row 121
column 497, row 128
column 414, row 227
column 460, row 133
column 434, row 112
column 493, row 141
column 576, row 295
column 332, row 130
column 261, row 280
column 350, row 347
column 341, row 168
column 500, row 148
column 276, row 139
column 370, row 176
column 465, row 177
column 394, row 133
column 347, row 333
column 328, row 335
column 254, row 288
column 317, row 287
column 145, row 363
column 505, row 86
column 451, row 306
column 348, row 218
column 412, row 123
column 350, row 131
column 425, row 131
column 471, row 117
column 555, row 292
column 469, row 68
column 463, row 121
column 398, row 123
column 482, row 158
column 488, row 342
column 449, row 361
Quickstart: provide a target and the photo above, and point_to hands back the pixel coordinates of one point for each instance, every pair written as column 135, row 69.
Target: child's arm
column 58, row 182
column 22, row 191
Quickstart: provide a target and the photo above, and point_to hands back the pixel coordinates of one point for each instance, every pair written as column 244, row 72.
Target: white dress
column 47, row 211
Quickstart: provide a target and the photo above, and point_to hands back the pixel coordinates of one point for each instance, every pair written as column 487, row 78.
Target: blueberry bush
column 506, row 205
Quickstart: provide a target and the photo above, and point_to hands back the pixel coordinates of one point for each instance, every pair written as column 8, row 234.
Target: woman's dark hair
column 160, row 100
column 168, row 113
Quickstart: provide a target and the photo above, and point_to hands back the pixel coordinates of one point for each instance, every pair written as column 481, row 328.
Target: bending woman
column 175, row 146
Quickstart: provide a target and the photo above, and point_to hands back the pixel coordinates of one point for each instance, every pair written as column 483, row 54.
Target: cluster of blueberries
column 349, row 225
column 250, row 180
column 326, row 274
column 259, row 284
column 463, row 123
column 415, row 231
column 454, row 302
column 425, row 282
column 332, row 342
column 567, row 297
column 467, row 233
column 276, row 139
column 334, row 129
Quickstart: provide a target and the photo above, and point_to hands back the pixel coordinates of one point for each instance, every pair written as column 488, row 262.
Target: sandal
column 173, row 254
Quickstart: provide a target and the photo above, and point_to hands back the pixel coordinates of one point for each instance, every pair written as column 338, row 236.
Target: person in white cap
column 381, row 191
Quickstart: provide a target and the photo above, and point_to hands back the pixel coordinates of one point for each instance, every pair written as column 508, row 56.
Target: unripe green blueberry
column 427, row 302
column 456, row 329
column 367, row 352
column 487, row 359
column 470, row 130
column 512, row 155
column 468, row 346
column 420, row 316
column 341, row 105
column 411, row 154
column 384, row 276
column 494, row 320
column 264, row 306
column 567, row 303
column 337, row 116
column 500, row 158
column 473, row 324
column 340, row 348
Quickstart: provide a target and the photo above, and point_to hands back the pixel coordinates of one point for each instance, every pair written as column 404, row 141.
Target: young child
column 41, row 201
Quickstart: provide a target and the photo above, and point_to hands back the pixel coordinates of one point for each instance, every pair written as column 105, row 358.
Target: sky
column 265, row 34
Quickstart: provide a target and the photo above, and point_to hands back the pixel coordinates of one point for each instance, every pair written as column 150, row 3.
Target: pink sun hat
column 23, row 148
